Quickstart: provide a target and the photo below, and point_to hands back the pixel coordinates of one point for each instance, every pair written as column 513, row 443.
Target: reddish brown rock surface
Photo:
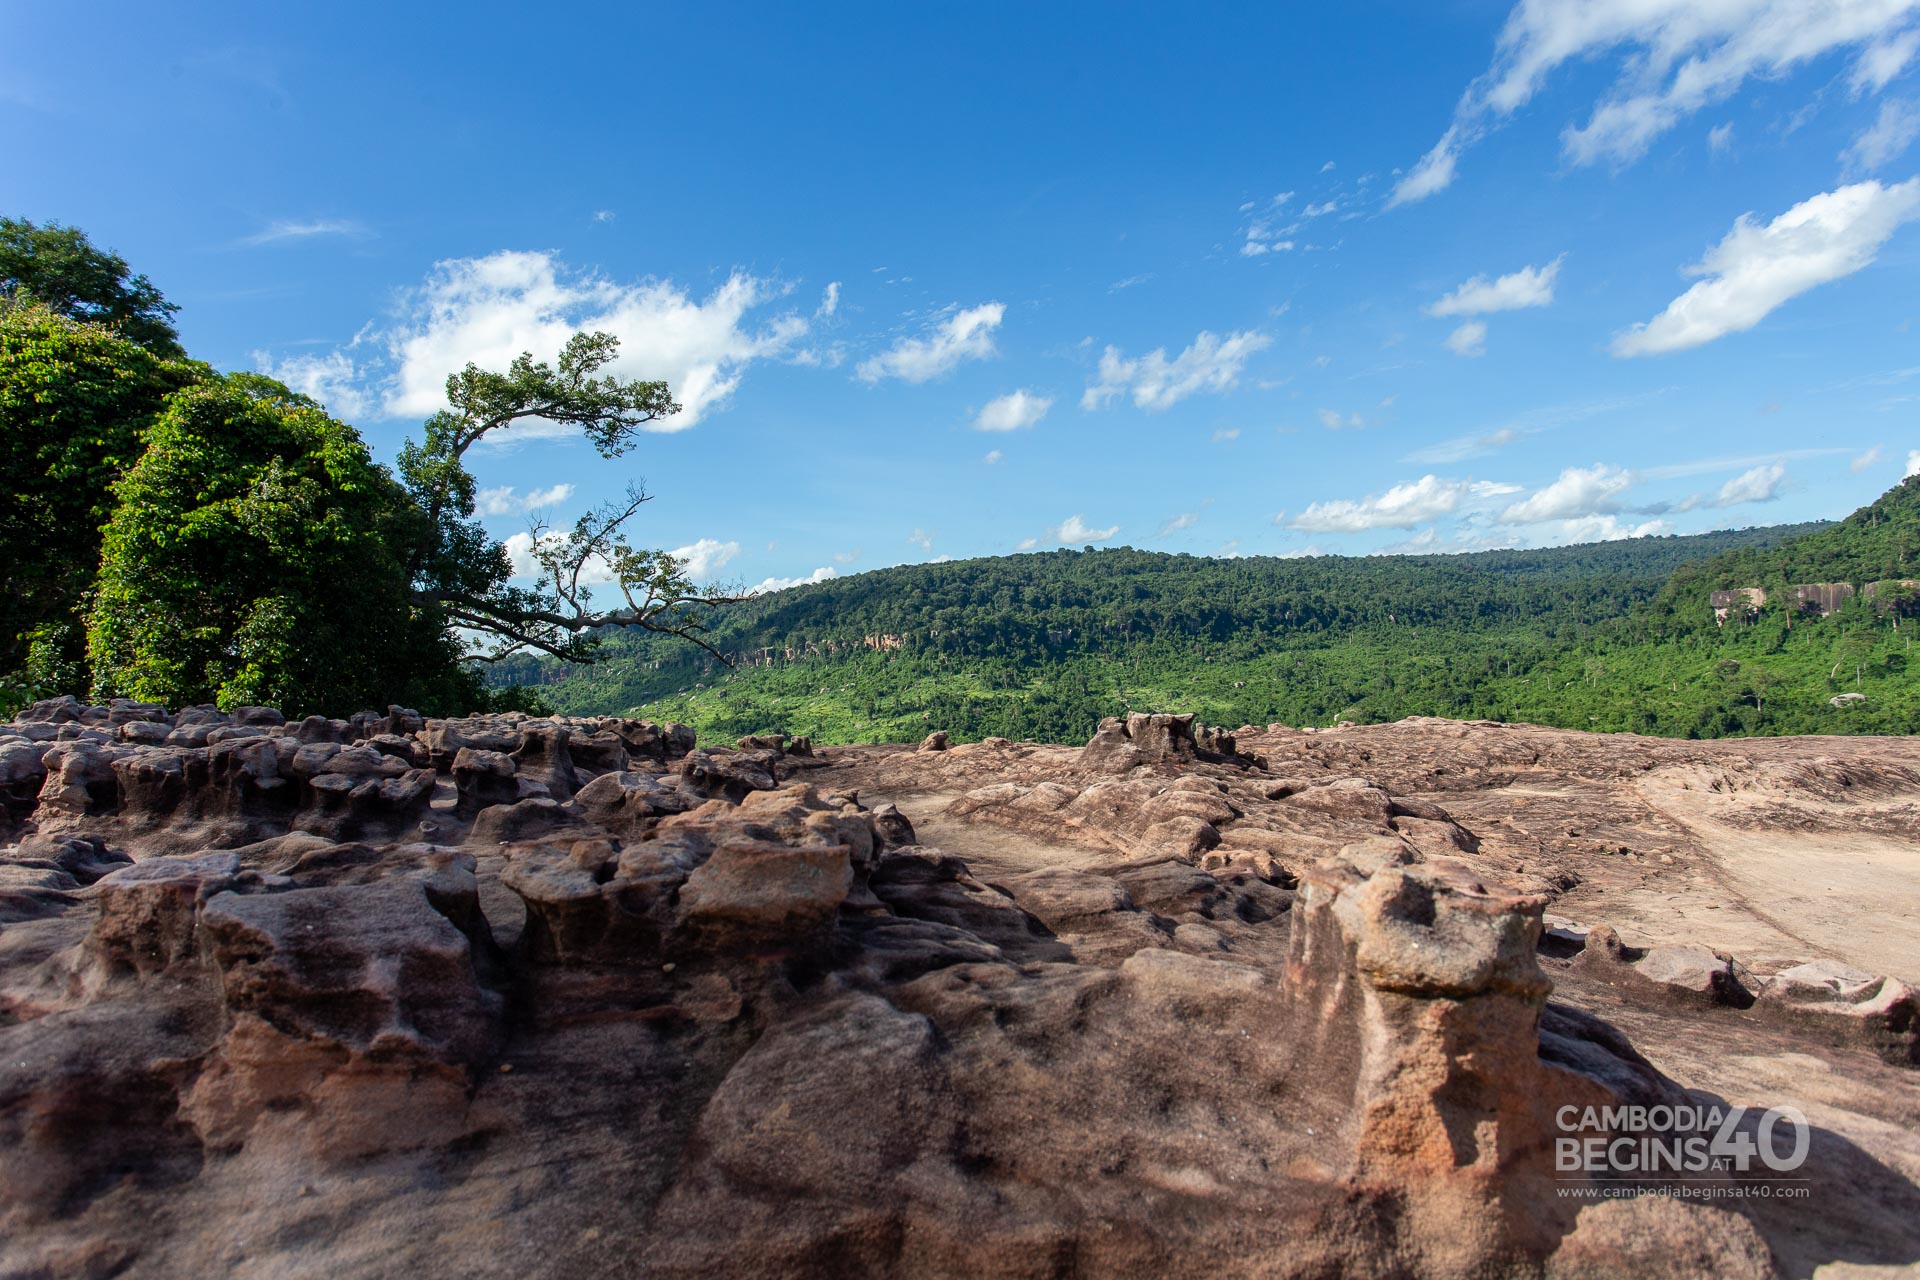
column 503, row 996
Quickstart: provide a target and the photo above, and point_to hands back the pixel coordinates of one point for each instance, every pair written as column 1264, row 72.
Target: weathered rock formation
column 517, row 996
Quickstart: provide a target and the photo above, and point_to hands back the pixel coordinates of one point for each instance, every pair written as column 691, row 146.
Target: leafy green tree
column 60, row 268
column 75, row 403
column 457, row 569
column 255, row 557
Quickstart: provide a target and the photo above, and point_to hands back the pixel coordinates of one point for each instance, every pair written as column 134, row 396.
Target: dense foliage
column 61, row 269
column 76, row 401
column 253, row 559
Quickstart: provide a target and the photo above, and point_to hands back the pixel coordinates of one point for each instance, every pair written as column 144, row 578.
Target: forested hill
column 1042, row 645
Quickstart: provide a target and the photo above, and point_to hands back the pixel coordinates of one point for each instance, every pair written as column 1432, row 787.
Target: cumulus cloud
column 1334, row 420
column 994, row 456
column 1913, row 464
column 829, row 299
column 921, row 538
column 1530, row 286
column 1401, row 507
column 1868, row 459
column 1677, row 57
column 1761, row 484
column 333, row 379
column 520, row 548
column 1470, row 339
column 506, row 501
column 489, row 310
column 1013, row 411
column 1579, row 491
column 958, row 336
column 1210, row 363
column 766, row 585
column 706, row 557
column 1601, row 528
column 1758, row 268
column 1891, row 133
column 1076, row 529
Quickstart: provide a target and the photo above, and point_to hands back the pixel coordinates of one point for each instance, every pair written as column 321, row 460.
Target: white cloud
column 1678, row 56
column 1401, row 507
column 994, row 456
column 706, row 557
column 1334, row 420
column 921, row 538
column 285, row 230
column 959, row 336
column 829, row 299
column 1129, row 282
column 1891, row 133
column 1461, row 448
column 1757, row 268
column 1720, row 138
column 1226, row 433
column 489, row 310
column 1580, row 491
column 1174, row 524
column 1913, row 463
column 1075, row 529
column 1761, row 484
column 1868, row 459
column 1155, row 382
column 846, row 557
column 1013, row 411
column 505, row 501
column 1600, row 528
column 1470, row 339
column 333, row 379
column 781, row 584
column 604, row 215
column 520, row 553
column 1530, row 286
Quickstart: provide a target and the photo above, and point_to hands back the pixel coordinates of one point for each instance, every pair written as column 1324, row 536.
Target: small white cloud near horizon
column 1174, row 524
column 1076, row 529
column 1761, row 484
column 706, row 557
column 959, row 335
column 1913, row 464
column 1401, row 507
column 922, row 538
column 769, row 585
column 1576, row 493
column 1470, row 339
column 1868, row 459
column 1155, row 383
column 846, row 557
column 505, row 501
column 1015, row 411
column 1755, row 269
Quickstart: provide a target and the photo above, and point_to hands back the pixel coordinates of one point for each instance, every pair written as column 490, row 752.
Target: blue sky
column 954, row 281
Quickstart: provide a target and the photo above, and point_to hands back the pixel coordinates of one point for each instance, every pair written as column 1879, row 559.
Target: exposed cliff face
column 509, row 996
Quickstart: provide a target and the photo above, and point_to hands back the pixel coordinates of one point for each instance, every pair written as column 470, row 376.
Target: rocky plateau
column 507, row 996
